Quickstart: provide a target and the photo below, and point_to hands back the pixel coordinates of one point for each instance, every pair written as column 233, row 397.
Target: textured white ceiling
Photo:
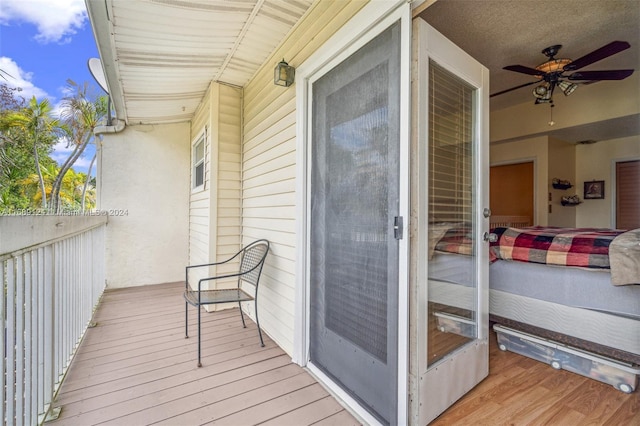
column 501, row 32
column 514, row 32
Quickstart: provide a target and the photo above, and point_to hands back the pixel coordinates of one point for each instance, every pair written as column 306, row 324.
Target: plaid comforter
column 456, row 240
column 584, row 247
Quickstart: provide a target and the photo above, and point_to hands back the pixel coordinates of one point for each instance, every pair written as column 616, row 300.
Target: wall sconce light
column 283, row 74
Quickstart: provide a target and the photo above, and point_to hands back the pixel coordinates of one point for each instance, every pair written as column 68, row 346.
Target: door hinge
column 398, row 228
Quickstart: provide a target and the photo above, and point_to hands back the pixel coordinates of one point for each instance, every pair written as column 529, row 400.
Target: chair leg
column 186, row 320
column 199, row 314
column 258, row 324
column 241, row 315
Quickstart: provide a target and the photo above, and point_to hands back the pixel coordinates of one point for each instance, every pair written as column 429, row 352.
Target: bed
column 573, row 301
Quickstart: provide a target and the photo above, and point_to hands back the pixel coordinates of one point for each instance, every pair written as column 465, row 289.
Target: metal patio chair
column 252, row 259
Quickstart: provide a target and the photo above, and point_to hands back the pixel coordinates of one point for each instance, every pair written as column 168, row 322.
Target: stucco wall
column 144, row 182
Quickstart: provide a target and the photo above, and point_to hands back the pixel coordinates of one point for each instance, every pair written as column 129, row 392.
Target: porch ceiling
column 159, row 56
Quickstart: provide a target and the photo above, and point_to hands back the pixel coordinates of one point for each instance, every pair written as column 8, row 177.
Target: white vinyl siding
column 269, row 166
column 215, row 213
column 199, row 205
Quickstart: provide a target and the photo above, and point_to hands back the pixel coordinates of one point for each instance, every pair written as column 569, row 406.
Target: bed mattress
column 576, row 287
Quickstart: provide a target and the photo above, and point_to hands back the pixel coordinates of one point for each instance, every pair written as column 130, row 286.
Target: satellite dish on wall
column 95, row 68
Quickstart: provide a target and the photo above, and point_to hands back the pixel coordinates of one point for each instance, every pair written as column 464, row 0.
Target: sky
column 43, row 43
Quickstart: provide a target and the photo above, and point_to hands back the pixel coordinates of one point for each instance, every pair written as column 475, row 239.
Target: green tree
column 81, row 114
column 71, row 191
column 16, row 151
column 36, row 120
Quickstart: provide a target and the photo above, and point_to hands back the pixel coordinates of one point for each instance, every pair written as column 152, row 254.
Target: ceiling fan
column 551, row 74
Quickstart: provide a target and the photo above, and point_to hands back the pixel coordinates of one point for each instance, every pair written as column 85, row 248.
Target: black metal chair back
column 252, row 259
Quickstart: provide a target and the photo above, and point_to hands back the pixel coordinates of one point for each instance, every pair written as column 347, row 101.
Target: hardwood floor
column 136, row 368
column 522, row 391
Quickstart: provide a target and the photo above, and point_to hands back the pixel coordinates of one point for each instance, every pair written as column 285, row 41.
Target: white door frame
column 362, row 28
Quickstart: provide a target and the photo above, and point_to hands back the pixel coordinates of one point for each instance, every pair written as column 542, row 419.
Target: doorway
column 511, row 189
column 627, row 190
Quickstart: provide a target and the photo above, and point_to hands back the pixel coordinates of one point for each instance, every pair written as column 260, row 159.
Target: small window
column 198, row 163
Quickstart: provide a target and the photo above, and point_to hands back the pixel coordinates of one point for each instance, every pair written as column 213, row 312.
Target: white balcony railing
column 53, row 276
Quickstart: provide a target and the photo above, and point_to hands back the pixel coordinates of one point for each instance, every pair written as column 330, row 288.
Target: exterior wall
column 269, row 166
column 562, row 165
column 143, row 174
column 199, row 201
column 597, row 162
column 215, row 211
column 533, row 149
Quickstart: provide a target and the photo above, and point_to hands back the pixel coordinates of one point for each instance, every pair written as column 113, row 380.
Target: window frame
column 195, row 163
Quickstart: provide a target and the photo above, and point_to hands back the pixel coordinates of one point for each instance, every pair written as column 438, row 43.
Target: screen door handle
column 398, row 228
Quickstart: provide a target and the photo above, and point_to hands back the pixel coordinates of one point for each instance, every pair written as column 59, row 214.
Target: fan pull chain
column 551, row 122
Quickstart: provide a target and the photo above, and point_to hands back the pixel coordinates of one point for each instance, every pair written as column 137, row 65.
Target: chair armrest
column 214, row 263
column 238, row 274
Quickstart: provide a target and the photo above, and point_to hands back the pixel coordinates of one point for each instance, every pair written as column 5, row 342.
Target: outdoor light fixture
column 283, row 74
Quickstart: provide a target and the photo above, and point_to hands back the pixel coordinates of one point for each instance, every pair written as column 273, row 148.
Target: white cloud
column 17, row 77
column 56, row 21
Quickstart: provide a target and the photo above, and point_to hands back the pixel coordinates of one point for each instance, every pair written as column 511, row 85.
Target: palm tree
column 86, row 182
column 37, row 121
column 81, row 115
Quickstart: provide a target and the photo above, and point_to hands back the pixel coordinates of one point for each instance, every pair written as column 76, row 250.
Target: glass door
column 452, row 194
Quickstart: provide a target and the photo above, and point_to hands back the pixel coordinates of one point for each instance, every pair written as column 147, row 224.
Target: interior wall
column 603, row 101
column 596, row 162
column 533, row 149
column 144, row 174
column 562, row 165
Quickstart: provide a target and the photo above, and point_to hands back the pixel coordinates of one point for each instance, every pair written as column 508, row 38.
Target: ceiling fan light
column 540, row 91
column 567, row 88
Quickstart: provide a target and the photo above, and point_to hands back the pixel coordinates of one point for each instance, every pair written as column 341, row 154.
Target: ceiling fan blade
column 514, row 88
column 601, row 75
column 597, row 55
column 524, row 70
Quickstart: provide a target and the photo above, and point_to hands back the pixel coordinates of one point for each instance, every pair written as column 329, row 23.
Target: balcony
column 135, row 367
column 128, row 362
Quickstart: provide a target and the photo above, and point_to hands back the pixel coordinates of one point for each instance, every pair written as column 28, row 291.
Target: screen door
column 354, row 224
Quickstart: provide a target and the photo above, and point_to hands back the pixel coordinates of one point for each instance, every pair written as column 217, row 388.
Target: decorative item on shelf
column 561, row 184
column 570, row 200
column 594, row 190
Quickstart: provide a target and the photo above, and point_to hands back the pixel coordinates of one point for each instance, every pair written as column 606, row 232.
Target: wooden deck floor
column 135, row 367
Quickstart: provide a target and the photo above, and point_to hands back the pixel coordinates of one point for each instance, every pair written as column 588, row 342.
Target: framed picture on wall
column 594, row 190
